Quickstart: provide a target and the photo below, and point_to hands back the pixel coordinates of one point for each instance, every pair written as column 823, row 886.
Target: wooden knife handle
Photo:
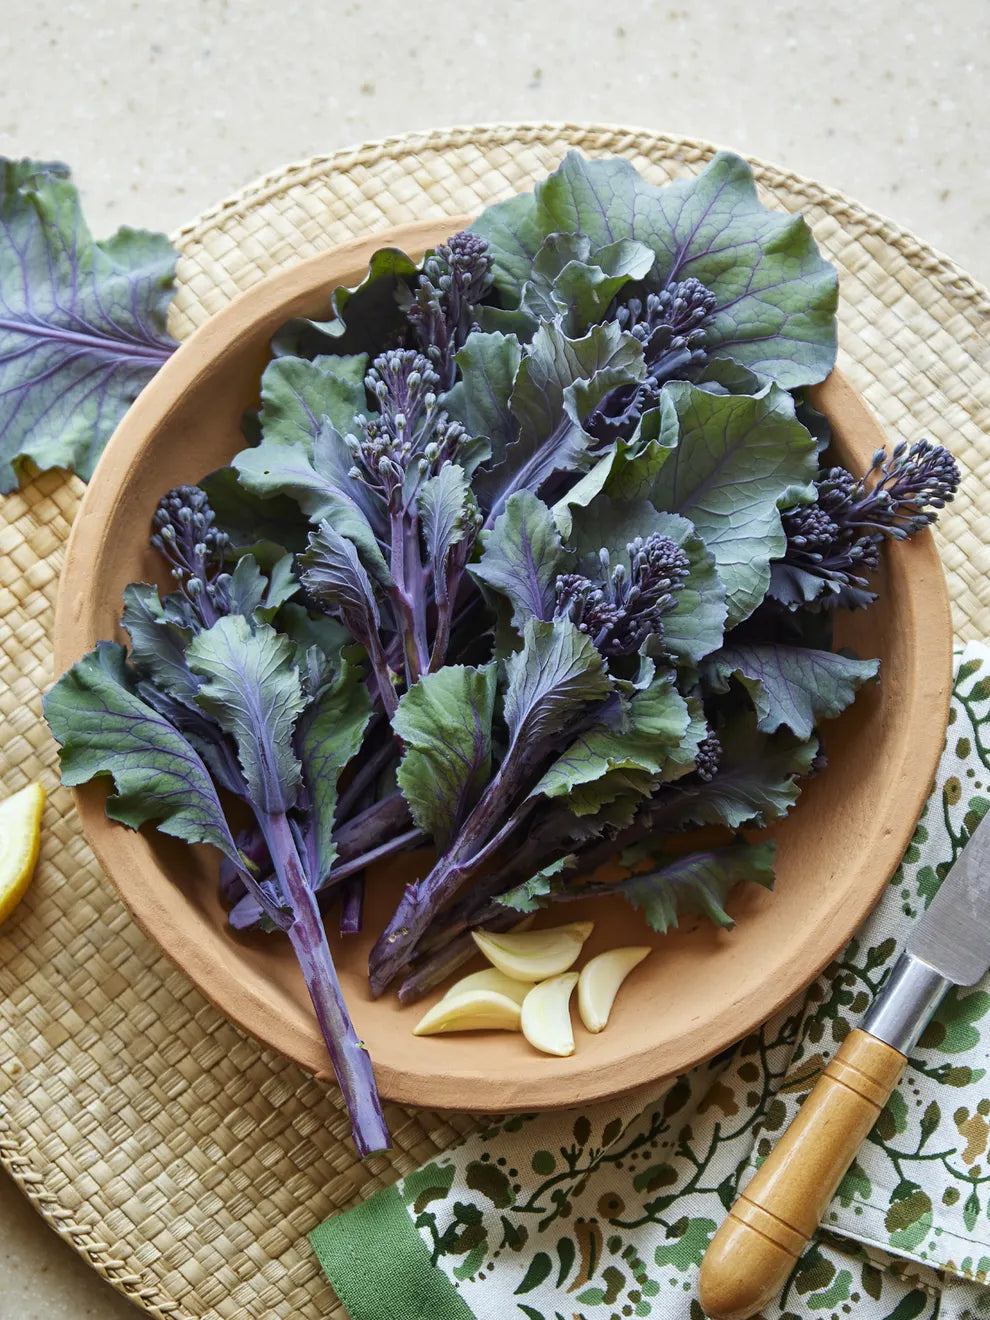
column 772, row 1221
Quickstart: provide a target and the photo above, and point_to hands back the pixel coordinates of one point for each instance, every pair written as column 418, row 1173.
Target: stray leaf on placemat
column 82, row 324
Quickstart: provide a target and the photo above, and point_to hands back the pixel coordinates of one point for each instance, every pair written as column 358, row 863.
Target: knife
column 772, row 1221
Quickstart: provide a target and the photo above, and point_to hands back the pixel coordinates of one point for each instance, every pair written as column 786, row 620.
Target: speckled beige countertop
column 164, row 109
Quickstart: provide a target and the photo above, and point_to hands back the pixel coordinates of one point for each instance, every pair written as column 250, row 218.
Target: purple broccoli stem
column 370, row 836
column 401, row 447
column 398, row 843
column 837, row 538
column 248, row 912
column 469, row 909
column 447, row 942
column 455, row 277
column 348, row 1055
column 352, row 905
column 364, row 777
column 478, row 840
column 480, row 837
column 374, row 825
column 251, row 844
column 445, row 960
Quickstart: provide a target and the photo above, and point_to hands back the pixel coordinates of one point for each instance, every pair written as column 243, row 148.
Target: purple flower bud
column 627, row 605
column 409, row 427
column 185, row 533
column 708, row 757
column 671, row 326
column 837, row 538
column 455, row 277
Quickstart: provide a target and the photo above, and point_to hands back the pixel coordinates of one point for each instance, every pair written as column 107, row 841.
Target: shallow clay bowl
column 703, row 988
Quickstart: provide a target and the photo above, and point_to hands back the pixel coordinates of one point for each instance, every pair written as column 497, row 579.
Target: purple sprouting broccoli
column 455, row 277
column 214, row 697
column 361, row 840
column 557, row 687
column 291, row 746
column 407, row 456
column 627, row 604
column 833, row 543
column 549, row 842
column 529, row 769
column 708, row 757
column 187, row 535
column 410, row 433
column 672, row 327
column 352, row 905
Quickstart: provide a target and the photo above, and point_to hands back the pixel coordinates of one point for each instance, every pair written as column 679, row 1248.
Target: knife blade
column 949, row 945
column 775, row 1215
column 953, row 936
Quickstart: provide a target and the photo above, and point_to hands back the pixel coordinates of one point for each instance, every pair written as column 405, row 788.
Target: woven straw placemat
column 181, row 1160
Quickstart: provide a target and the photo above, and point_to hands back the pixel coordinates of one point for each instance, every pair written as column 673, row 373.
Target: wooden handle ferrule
column 775, row 1215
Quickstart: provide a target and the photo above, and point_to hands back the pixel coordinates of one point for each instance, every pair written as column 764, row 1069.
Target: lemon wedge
column 20, row 838
column 533, row 955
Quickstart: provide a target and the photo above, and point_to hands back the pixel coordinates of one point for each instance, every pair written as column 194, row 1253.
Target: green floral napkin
column 606, row 1213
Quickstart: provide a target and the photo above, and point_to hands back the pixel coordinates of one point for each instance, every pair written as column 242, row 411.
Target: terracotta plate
column 703, row 988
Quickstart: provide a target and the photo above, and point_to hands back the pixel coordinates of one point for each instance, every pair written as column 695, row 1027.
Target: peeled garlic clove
column 533, row 955
column 600, row 980
column 488, row 979
column 546, row 1015
column 477, row 1010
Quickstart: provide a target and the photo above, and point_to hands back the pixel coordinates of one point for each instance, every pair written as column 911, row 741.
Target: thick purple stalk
column 405, row 566
column 447, row 589
column 247, row 912
column 348, row 1055
column 421, row 901
column 368, row 837
column 441, row 637
column 380, row 671
column 414, row 912
column 448, row 943
column 416, row 590
column 440, row 964
column 365, row 775
column 480, row 907
column 352, row 905
column 518, row 817
column 398, row 843
column 525, row 861
column 372, row 826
